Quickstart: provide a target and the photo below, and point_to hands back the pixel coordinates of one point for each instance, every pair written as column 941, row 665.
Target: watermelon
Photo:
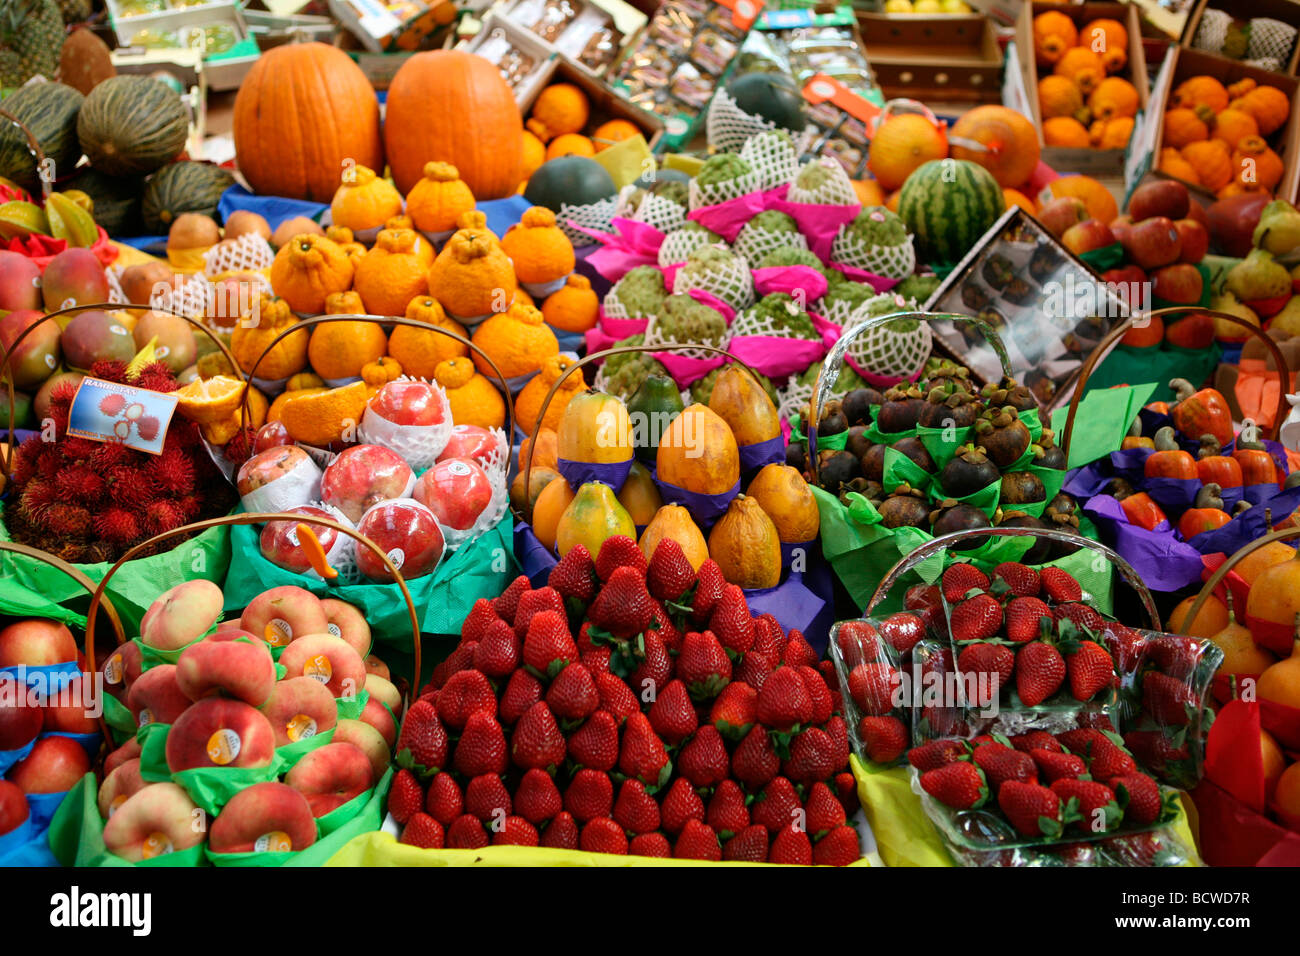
column 575, row 180
column 182, row 187
column 771, row 96
column 947, row 205
column 131, row 125
column 50, row 111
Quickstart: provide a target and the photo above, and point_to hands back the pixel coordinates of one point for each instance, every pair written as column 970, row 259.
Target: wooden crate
column 605, row 103
column 1288, row 11
column 954, row 58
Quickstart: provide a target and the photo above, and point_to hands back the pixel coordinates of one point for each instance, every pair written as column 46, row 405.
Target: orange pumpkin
column 1182, row 126
column 1255, row 164
column 303, row 110
column 1233, row 125
column 1011, row 145
column 455, row 107
column 1082, row 66
column 1201, row 91
column 901, row 144
column 307, row 269
column 1054, row 33
column 1065, row 131
column 1212, row 162
column 1109, row 40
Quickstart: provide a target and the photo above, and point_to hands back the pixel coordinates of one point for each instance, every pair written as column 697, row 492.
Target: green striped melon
column 50, row 111
column 183, row 187
column 131, row 125
column 947, row 204
column 116, row 199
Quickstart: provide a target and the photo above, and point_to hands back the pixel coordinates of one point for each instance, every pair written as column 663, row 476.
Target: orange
column 1065, row 131
column 341, row 349
column 221, row 431
column 570, row 144
column 1096, row 198
column 208, row 400
column 534, row 154
column 891, row 201
column 277, row 406
column 545, row 454
column 614, row 131
column 550, row 507
column 560, row 108
column 1280, row 683
column 322, row 417
column 1212, row 618
column 869, row 192
column 1013, row 197
column 901, row 144
column 419, row 351
column 1274, row 762
column 1286, row 798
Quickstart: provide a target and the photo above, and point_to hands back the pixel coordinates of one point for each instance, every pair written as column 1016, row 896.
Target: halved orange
column 208, row 400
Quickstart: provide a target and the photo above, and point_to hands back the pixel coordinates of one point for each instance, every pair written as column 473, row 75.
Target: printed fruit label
column 156, row 844
column 117, row 802
column 113, row 669
column 300, row 727
column 50, row 360
column 279, row 632
column 334, row 629
column 118, row 330
column 398, row 557
column 318, row 668
column 223, row 746
column 458, row 468
column 277, row 841
column 146, row 717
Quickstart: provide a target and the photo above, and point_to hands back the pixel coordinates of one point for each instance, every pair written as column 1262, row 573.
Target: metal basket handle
column 1222, row 570
column 33, row 147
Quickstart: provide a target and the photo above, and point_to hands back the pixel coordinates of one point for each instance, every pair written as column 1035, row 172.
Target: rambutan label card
column 110, row 412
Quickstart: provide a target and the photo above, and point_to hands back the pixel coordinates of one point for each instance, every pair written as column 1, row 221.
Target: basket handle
column 33, row 147
column 98, row 595
column 935, row 545
column 834, row 361
column 6, row 460
column 1222, row 570
column 1112, row 338
column 527, row 465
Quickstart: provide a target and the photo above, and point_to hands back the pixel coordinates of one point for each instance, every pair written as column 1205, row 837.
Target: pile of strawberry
column 1080, row 781
column 1030, row 626
column 629, row 708
column 1161, row 674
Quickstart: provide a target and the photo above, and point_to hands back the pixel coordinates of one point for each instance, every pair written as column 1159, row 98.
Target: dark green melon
column 663, row 175
column 132, row 125
column 771, row 96
column 183, row 187
column 575, row 180
column 947, row 205
column 50, row 111
column 116, row 199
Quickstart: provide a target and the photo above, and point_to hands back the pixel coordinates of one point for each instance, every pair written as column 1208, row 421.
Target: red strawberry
column 615, row 696
column 1110, row 760
column 818, row 693
column 1089, row 667
column 1174, row 655
column 812, row 756
column 651, row 845
column 1081, row 740
column 680, row 804
column 466, row 832
column 1033, row 810
column 840, row 847
column 697, row 842
column 703, row 760
column 522, row 691
column 642, row 755
column 872, row 687
column 791, row 847
column 574, row 578
column 727, row 813
column 1040, row 671
column 465, row 693
column 784, row 702
column 422, row 744
column 486, row 797
column 459, row 659
column 798, row 652
column 603, row 835
column 537, row 741
column 423, row 831
column 754, row 761
column 405, row 796
column 753, row 669
column 823, row 811
column 1001, row 763
column 619, row 551
column 958, row 785
column 1094, row 803
column 1059, row 585
column 924, row 598
column 548, row 646
column 655, row 670
column 838, row 731
column 623, row 607
column 903, row 630
column 708, row 588
column 595, row 743
column 1019, row 579
column 748, row 845
column 959, row 579
column 777, row 805
column 769, row 639
column 515, row 831
column 1036, row 740
column 735, row 710
column 635, row 810
column 1024, row 619
column 1139, row 795
column 672, row 715
column 992, row 665
column 1155, row 750
column 537, row 799
column 534, row 602
column 476, row 622
column 1054, row 766
column 590, row 795
column 562, row 832
column 573, row 694
column 444, row 802
column 976, row 619
column 1168, row 700
column 669, row 575
column 498, row 652
column 703, row 666
column 1080, row 615
column 730, row 621
column 1125, row 645
column 663, row 625
column 482, row 747
column 508, row 602
column 934, row 754
column 846, row 791
column 596, row 659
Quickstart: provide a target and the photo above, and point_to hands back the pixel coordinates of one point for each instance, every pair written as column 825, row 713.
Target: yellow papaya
column 785, row 497
column 548, row 509
column 640, row 495
column 674, row 521
column 593, row 515
column 698, row 453
column 746, row 546
column 594, row 439
column 746, row 408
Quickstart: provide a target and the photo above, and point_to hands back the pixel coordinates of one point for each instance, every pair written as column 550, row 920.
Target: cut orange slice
column 208, row 400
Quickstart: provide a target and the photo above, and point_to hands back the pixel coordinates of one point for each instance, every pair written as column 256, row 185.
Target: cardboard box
column 380, row 28
column 591, row 16
column 605, row 103
column 1288, row 11
column 1091, row 162
column 224, row 70
column 949, row 57
column 379, row 68
column 499, row 37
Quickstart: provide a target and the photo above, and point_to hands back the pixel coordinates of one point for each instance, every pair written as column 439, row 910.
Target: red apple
column 54, row 766
column 280, row 545
column 1060, row 214
column 364, row 475
column 410, row 403
column 1120, row 226
column 1233, row 221
column 407, row 532
column 13, row 807
column 457, row 491
column 19, row 724
column 36, row 643
column 1196, row 211
column 1086, row 236
column 1194, row 239
column 1180, row 284
column 1130, row 283
column 20, row 282
column 471, row 441
column 1153, row 243
column 1159, row 197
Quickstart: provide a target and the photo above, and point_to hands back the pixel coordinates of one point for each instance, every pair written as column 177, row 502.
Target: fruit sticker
column 111, row 412
column 117, row 802
column 156, row 844
column 223, row 747
column 279, row 632
column 113, row 670
column 300, row 726
column 277, row 841
column 318, row 668
column 397, row 556
column 146, row 717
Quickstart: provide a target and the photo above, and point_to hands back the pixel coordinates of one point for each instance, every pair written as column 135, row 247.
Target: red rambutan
column 117, row 525
column 147, row 428
column 112, row 371
column 240, row 448
column 25, row 459
column 163, row 516
column 191, row 505
column 80, row 485
column 37, row 495
column 156, row 377
column 49, row 461
column 172, row 472
column 66, row 521
column 128, row 483
column 109, row 454
column 59, row 416
column 80, row 449
column 112, row 404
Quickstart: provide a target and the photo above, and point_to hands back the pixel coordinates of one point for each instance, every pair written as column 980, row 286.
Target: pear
column 1278, row 231
column 1288, row 320
column 1227, row 331
column 1258, row 277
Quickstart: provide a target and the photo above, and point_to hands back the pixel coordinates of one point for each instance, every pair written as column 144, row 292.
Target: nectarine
column 19, row 724
column 300, row 707
column 154, row 821
column 13, row 807
column 36, row 642
column 54, row 765
column 216, row 732
column 181, row 614
column 330, row 776
column 264, row 818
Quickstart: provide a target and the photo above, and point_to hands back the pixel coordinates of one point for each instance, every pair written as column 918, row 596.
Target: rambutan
column 117, row 526
column 156, row 377
column 109, row 371
column 240, row 448
column 163, row 515
column 37, row 495
column 109, row 454
column 80, row 485
column 112, row 404
column 128, row 483
column 49, row 461
column 147, row 428
column 66, row 521
column 80, row 449
column 191, row 506
column 74, row 552
column 25, row 458
column 172, row 472
column 100, row 552
column 59, row 416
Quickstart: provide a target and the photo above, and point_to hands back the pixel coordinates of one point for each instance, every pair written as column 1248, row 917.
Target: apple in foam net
column 364, row 475
column 470, row 441
column 456, row 490
column 409, row 403
column 279, row 542
column 408, row 533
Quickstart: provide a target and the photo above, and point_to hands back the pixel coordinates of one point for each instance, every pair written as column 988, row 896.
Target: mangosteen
column 796, row 456
column 837, row 468
column 832, row 420
column 870, row 490
column 901, row 409
column 1022, row 488
column 1047, row 454
column 873, row 462
column 856, row 405
column 858, row 443
column 1002, row 435
column 905, row 508
column 913, row 448
column 1119, row 488
column 950, row 401
column 1042, row 548
column 967, row 472
column 952, row 516
column 1009, row 392
column 1063, row 504
column 1040, row 385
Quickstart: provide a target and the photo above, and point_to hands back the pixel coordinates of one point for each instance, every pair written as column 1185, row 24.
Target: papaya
column 746, row 546
column 538, row 480
column 548, row 509
column 651, row 410
column 785, row 497
column 640, row 495
column 593, row 515
column 594, row 440
column 743, row 404
column 674, row 521
column 698, row 453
